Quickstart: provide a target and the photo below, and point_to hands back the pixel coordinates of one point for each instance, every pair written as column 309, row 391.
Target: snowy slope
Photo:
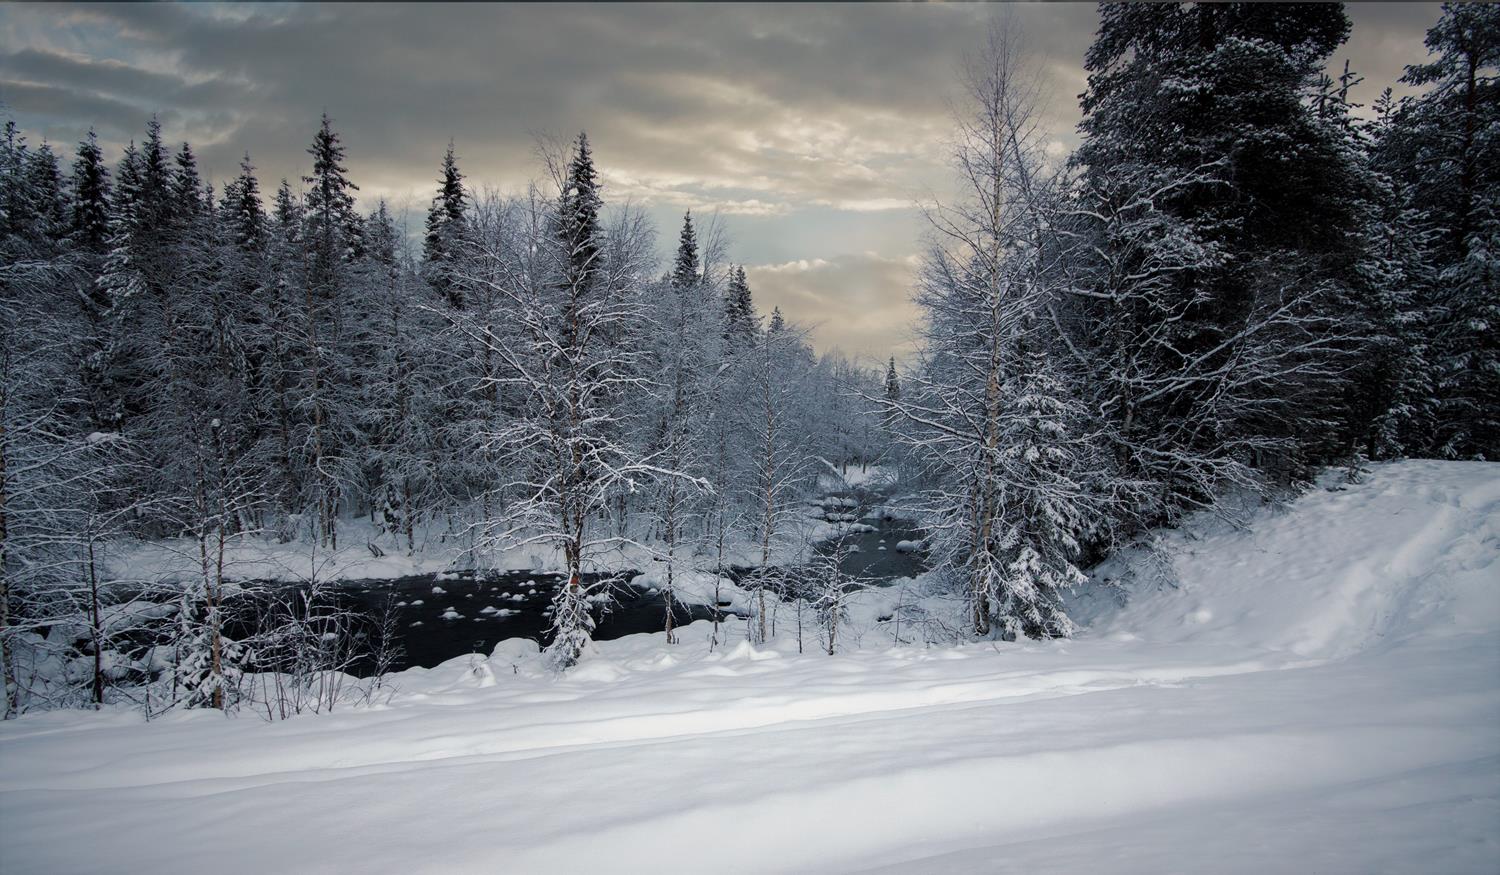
column 1409, row 552
column 1322, row 694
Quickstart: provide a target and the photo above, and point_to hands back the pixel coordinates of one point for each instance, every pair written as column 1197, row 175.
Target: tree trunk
column 7, row 653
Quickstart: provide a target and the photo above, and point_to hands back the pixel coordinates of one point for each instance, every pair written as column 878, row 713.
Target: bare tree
column 777, row 462
column 999, row 436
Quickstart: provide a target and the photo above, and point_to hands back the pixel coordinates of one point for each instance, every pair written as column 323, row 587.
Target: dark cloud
column 812, row 128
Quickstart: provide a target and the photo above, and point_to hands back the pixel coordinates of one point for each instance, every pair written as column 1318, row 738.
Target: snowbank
column 1320, row 694
column 1410, row 552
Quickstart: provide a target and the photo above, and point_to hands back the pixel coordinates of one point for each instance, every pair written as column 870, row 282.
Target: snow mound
column 1409, row 552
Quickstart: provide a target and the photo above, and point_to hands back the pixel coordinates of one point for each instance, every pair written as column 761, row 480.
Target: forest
column 1238, row 279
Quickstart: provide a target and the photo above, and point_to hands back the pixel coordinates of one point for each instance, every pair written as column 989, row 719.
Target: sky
column 813, row 131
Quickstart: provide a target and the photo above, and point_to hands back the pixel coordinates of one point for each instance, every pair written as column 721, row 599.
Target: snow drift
column 1320, row 692
column 1409, row 552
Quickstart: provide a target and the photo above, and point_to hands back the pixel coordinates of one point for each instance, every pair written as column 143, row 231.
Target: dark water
column 870, row 563
column 435, row 626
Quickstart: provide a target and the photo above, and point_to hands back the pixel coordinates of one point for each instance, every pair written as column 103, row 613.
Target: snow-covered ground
column 1321, row 693
column 260, row 557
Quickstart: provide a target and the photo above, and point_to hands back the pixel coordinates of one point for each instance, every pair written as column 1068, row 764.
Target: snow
column 440, row 553
column 855, row 476
column 1319, row 692
column 1409, row 553
column 697, row 588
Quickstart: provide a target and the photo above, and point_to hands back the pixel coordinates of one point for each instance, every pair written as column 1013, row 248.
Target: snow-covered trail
column 808, row 771
column 1366, row 740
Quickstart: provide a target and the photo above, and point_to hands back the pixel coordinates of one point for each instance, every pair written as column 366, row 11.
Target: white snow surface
column 260, row 557
column 1319, row 693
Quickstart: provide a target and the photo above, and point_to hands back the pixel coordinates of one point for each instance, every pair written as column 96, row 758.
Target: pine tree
column 153, row 202
column 286, row 302
column 49, row 206
column 244, row 213
column 740, row 322
column 89, row 236
column 1205, row 155
column 334, row 230
column 187, row 186
column 447, row 230
column 395, row 403
column 15, row 200
column 892, row 382
column 334, row 237
column 778, row 322
column 90, row 197
column 142, row 279
column 1442, row 147
column 1045, row 459
column 578, row 225
column 685, row 268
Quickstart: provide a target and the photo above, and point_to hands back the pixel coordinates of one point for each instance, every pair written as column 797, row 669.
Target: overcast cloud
column 814, row 130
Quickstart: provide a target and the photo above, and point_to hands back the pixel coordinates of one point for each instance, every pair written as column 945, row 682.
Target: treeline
column 177, row 361
column 1240, row 277
column 1236, row 279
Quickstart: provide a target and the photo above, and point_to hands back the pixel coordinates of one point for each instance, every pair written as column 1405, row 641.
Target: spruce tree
column 187, row 186
column 286, row 299
column 740, row 321
column 685, row 268
column 578, row 222
column 447, row 229
column 334, row 231
column 152, row 210
column 49, row 205
column 1442, row 147
column 1244, row 207
column 141, row 281
column 334, row 238
column 90, row 197
column 243, row 213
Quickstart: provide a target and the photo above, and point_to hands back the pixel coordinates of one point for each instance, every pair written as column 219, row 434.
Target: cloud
column 857, row 303
column 827, row 106
column 814, row 128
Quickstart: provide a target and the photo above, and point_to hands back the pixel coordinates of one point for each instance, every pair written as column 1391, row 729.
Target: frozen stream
column 440, row 616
